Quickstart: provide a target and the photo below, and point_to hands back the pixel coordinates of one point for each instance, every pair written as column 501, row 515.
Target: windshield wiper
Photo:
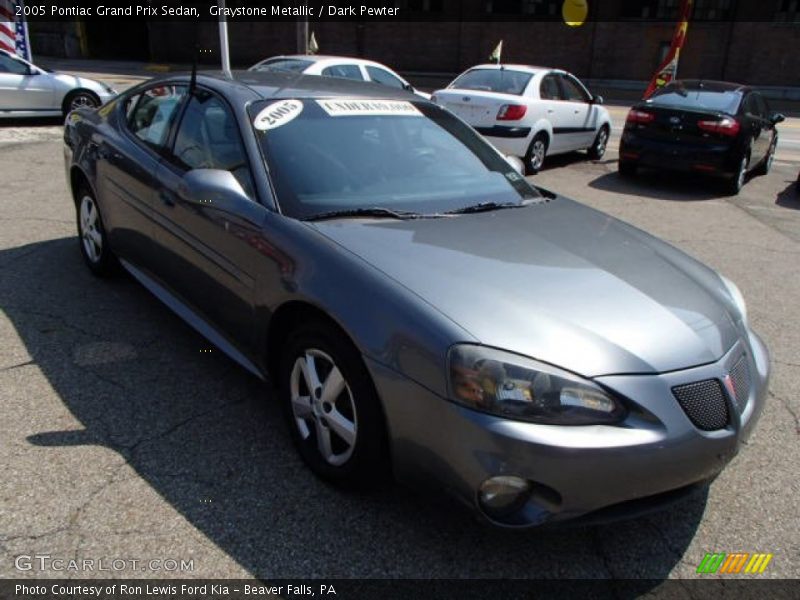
column 484, row 207
column 374, row 211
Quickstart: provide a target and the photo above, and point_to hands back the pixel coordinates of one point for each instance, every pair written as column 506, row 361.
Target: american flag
column 13, row 29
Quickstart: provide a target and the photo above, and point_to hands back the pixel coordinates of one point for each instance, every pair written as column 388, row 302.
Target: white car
column 30, row 91
column 529, row 112
column 337, row 66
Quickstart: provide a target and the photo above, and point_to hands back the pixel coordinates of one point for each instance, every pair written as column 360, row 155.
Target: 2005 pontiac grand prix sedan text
column 423, row 309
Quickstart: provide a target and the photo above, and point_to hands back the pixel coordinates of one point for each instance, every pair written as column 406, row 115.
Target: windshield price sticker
column 347, row 107
column 277, row 114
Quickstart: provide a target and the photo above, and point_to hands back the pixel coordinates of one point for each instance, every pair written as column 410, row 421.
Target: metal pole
column 223, row 38
column 302, row 35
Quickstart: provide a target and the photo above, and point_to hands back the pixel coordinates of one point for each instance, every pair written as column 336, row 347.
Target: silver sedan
column 30, row 91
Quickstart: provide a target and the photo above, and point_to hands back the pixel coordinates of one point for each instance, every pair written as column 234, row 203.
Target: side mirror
column 597, row 100
column 516, row 163
column 777, row 118
column 213, row 187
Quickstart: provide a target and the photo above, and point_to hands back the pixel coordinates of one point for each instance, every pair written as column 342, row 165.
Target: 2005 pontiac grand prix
column 423, row 309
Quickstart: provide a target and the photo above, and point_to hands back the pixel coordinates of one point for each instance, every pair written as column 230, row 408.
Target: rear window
column 290, row 65
column 671, row 95
column 502, row 81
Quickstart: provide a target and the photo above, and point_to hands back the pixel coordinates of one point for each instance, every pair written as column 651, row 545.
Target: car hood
column 558, row 282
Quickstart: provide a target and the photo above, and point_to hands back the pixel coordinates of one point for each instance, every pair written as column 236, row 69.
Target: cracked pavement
column 122, row 437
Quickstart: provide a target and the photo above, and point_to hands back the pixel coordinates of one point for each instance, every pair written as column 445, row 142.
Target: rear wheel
column 331, row 407
column 735, row 184
column 598, row 148
column 92, row 236
column 534, row 159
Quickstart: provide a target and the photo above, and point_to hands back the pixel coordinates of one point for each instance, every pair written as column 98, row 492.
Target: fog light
column 503, row 495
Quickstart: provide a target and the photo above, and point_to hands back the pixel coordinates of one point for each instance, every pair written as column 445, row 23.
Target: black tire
column 734, row 184
column 78, row 99
column 361, row 464
column 766, row 164
column 598, row 148
column 537, row 151
column 627, row 168
column 92, row 238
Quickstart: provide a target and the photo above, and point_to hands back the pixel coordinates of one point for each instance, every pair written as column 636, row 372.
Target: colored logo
column 739, row 562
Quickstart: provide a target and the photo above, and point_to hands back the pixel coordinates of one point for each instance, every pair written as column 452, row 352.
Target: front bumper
column 574, row 470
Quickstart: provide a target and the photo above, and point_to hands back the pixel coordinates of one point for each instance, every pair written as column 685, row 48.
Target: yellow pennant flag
column 495, row 56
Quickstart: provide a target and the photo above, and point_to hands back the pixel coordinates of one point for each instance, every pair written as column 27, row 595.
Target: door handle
column 550, row 111
column 166, row 197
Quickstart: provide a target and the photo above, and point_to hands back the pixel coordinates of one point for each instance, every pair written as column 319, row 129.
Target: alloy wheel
column 322, row 406
column 81, row 100
column 90, row 232
column 537, row 154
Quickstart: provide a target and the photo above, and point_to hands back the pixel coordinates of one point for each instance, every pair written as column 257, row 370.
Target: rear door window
column 343, row 72
column 549, row 90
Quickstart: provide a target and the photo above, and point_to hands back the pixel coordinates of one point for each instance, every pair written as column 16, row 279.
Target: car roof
column 249, row 85
column 316, row 58
column 514, row 67
column 710, row 85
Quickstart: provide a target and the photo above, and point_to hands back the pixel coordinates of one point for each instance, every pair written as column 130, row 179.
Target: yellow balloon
column 574, row 12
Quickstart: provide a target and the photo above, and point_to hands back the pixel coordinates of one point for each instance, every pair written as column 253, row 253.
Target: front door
column 210, row 249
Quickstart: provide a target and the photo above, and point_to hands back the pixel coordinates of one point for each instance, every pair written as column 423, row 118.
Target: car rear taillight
column 639, row 116
column 511, row 112
column 726, row 126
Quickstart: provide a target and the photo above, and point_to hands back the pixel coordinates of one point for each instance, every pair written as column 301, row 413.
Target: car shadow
column 790, row 196
column 661, row 185
column 210, row 440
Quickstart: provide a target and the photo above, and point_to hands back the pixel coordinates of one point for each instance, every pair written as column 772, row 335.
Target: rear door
column 210, row 249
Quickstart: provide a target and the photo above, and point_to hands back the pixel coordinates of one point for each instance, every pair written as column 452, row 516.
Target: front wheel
column 81, row 99
column 331, row 407
column 598, row 148
column 534, row 159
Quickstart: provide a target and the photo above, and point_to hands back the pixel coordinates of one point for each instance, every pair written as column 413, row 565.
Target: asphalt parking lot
column 125, row 436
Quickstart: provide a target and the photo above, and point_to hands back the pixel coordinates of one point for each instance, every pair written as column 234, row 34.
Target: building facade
column 752, row 41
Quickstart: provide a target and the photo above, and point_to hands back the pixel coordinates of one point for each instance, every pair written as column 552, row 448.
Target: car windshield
column 331, row 155
column 502, row 81
column 290, row 65
column 726, row 101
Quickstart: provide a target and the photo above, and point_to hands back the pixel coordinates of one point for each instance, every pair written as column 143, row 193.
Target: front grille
column 704, row 404
column 740, row 377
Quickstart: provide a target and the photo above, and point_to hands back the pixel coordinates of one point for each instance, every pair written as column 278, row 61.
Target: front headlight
column 736, row 295
column 519, row 388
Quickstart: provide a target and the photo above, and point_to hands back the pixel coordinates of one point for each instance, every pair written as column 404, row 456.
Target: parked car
column 711, row 127
column 30, row 91
column 344, row 67
column 421, row 307
column 529, row 112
